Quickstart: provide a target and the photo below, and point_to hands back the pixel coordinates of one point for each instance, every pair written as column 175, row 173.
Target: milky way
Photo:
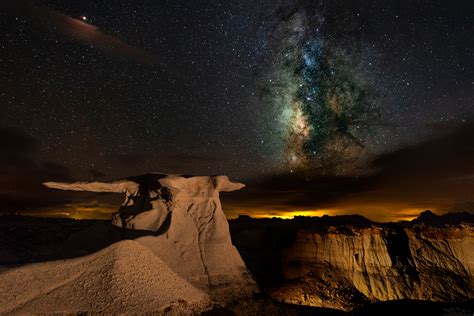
column 295, row 94
column 326, row 107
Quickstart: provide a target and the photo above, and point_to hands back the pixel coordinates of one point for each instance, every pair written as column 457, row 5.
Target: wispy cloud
column 78, row 30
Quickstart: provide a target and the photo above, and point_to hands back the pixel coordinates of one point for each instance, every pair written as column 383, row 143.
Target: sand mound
column 123, row 278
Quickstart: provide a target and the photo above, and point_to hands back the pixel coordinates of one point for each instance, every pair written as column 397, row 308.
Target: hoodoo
column 193, row 236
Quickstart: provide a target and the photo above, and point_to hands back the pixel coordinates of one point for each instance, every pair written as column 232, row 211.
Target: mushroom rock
column 193, row 236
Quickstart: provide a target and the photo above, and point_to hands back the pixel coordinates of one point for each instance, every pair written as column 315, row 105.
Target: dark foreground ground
column 28, row 239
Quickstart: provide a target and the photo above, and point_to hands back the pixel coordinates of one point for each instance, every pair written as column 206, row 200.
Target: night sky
column 320, row 107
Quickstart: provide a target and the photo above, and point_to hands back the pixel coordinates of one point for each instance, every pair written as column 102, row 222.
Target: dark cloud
column 438, row 172
column 22, row 173
column 440, row 159
column 19, row 157
column 15, row 141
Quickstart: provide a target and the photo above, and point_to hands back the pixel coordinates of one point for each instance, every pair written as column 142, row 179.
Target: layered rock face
column 381, row 265
column 193, row 236
column 344, row 265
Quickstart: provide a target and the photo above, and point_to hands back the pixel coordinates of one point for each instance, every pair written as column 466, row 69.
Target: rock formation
column 381, row 265
column 352, row 262
column 193, row 234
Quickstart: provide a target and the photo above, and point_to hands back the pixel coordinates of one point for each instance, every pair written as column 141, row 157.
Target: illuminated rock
column 193, row 234
column 350, row 266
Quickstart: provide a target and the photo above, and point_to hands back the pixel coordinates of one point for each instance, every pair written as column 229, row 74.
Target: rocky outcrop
column 379, row 264
column 344, row 265
column 193, row 236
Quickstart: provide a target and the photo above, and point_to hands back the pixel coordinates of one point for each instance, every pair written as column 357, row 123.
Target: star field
column 196, row 97
column 353, row 81
column 250, row 90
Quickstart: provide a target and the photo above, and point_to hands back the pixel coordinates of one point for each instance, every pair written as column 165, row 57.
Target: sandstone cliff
column 347, row 263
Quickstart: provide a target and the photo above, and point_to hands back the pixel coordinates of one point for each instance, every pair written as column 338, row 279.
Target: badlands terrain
column 347, row 262
column 170, row 250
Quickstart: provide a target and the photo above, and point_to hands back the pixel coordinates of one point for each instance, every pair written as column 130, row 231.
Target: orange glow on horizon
column 292, row 214
column 74, row 211
column 373, row 212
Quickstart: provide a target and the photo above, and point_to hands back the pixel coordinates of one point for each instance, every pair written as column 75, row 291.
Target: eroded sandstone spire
column 195, row 240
